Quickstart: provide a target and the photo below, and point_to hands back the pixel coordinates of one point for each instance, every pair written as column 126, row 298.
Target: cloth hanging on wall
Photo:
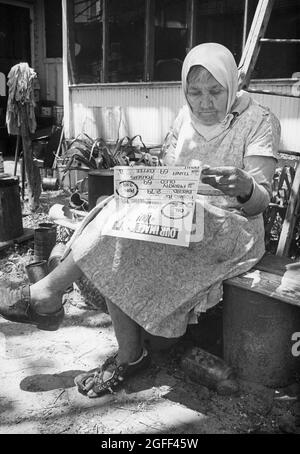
column 20, row 86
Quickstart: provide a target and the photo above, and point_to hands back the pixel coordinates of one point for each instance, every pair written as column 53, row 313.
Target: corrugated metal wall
column 288, row 111
column 114, row 110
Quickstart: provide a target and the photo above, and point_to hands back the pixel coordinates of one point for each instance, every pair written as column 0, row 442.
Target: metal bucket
column 36, row 271
column 50, row 184
column 44, row 242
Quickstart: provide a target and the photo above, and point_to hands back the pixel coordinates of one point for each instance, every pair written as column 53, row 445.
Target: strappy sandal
column 93, row 384
column 15, row 306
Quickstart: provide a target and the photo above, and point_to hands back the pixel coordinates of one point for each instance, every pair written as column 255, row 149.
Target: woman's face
column 206, row 96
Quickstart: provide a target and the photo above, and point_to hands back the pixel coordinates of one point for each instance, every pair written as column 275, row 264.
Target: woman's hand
column 232, row 181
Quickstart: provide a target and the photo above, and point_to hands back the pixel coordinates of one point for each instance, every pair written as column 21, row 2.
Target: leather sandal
column 92, row 383
column 15, row 306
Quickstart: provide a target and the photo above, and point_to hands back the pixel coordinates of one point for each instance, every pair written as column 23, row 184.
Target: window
column 222, row 21
column 53, row 26
column 14, row 36
column 126, row 37
column 86, row 37
column 147, row 40
column 170, row 38
column 280, row 60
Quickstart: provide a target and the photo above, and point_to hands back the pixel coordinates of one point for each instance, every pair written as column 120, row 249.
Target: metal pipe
column 280, row 41
column 273, row 93
column 245, row 24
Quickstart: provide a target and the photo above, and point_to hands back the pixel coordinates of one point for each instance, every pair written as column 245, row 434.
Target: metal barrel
column 36, row 271
column 11, row 224
column 257, row 333
column 44, row 242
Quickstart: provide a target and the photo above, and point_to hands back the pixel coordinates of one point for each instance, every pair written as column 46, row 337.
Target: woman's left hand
column 232, row 181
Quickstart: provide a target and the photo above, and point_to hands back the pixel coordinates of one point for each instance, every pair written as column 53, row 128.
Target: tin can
column 36, row 271
column 44, row 242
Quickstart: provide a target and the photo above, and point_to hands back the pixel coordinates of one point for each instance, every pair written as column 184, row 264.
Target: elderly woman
column 163, row 288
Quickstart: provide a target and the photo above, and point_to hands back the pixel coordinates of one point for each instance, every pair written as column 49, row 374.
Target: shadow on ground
column 49, row 382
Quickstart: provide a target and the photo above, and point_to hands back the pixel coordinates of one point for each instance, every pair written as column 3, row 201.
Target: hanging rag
column 20, row 86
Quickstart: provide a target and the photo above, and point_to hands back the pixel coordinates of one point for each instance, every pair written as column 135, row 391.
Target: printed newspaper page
column 154, row 204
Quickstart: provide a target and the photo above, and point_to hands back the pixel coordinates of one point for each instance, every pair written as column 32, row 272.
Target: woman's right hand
column 231, row 180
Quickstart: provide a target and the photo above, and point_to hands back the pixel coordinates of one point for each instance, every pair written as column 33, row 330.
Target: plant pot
column 101, row 182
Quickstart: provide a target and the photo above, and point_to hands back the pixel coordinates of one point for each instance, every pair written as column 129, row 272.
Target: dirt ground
column 38, row 395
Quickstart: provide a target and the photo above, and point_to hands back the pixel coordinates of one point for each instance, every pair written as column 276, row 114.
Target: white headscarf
column 219, row 61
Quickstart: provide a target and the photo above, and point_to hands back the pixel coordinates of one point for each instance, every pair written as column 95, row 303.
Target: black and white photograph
column 149, row 220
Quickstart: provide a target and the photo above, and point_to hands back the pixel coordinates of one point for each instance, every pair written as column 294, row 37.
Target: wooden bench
column 261, row 308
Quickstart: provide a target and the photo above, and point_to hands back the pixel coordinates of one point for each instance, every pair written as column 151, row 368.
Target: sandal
column 92, row 383
column 15, row 306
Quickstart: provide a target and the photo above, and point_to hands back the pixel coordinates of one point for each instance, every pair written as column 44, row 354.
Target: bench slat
column 285, row 288
column 274, row 264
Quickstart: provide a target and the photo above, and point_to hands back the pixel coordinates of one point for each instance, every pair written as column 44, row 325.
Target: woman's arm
column 261, row 170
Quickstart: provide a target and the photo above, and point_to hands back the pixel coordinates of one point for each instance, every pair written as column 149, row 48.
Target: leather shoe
column 15, row 306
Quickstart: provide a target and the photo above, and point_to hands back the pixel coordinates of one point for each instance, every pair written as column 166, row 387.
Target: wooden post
column 16, row 154
column 32, row 172
column 245, row 23
column 66, row 89
column 191, row 21
column 149, row 41
column 252, row 47
column 71, row 41
column 105, row 42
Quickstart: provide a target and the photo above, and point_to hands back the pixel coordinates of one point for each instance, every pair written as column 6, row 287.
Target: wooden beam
column 285, row 288
column 66, row 90
column 149, row 41
column 191, row 23
column 105, row 42
column 252, row 47
column 245, row 23
column 71, row 41
column 32, row 172
column 280, row 41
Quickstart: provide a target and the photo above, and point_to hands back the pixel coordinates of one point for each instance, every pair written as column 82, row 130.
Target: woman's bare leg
column 129, row 338
column 46, row 294
column 128, row 334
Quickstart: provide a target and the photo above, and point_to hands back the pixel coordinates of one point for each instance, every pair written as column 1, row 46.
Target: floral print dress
column 163, row 287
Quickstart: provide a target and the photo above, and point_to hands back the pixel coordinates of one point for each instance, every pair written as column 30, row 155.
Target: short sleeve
column 264, row 136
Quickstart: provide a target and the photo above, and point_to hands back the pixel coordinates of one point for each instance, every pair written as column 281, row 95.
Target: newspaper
column 154, row 204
